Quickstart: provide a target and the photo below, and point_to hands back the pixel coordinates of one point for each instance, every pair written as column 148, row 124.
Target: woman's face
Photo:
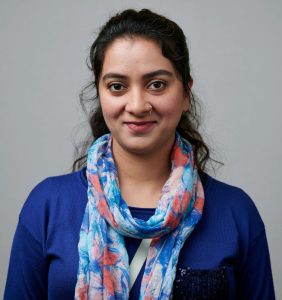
column 135, row 76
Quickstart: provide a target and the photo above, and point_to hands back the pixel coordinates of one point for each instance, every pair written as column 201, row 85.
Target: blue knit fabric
column 230, row 238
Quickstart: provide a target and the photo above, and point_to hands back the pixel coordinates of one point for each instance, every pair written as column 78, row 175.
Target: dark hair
column 172, row 41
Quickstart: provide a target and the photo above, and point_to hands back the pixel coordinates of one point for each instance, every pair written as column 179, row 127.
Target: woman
column 144, row 184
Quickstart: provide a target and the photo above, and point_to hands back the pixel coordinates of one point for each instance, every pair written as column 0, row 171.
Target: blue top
column 225, row 257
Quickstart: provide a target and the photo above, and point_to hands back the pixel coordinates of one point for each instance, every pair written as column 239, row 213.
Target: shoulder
column 52, row 188
column 233, row 204
column 51, row 201
column 228, row 196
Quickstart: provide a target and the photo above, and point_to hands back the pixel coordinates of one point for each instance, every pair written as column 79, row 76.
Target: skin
column 135, row 76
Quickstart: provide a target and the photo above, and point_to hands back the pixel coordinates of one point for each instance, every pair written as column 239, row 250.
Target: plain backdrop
column 236, row 59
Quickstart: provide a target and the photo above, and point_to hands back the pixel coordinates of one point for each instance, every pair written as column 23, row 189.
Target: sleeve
column 27, row 276
column 254, row 275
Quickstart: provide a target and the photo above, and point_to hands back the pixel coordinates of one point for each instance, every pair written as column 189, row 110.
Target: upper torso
column 214, row 263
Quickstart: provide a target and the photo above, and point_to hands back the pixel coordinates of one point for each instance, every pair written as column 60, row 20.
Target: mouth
column 140, row 127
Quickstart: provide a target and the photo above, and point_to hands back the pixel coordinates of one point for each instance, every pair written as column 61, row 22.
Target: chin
column 142, row 145
column 139, row 149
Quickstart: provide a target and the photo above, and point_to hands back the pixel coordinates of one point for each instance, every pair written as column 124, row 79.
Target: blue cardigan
column 225, row 257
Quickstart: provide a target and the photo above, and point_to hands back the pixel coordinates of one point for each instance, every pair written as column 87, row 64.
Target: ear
column 186, row 96
column 190, row 83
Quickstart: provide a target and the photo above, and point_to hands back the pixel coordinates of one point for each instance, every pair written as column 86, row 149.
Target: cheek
column 172, row 107
column 111, row 109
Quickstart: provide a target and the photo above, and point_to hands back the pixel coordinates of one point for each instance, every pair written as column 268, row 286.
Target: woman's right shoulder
column 52, row 200
column 55, row 187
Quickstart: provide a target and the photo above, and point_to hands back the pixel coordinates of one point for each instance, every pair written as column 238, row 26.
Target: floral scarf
column 103, row 260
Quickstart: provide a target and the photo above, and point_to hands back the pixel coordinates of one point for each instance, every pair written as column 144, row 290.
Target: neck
column 142, row 168
column 143, row 175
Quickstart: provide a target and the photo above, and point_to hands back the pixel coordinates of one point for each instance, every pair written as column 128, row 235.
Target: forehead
column 135, row 54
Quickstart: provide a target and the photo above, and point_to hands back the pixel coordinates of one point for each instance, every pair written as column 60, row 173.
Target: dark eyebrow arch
column 157, row 73
column 145, row 76
column 114, row 76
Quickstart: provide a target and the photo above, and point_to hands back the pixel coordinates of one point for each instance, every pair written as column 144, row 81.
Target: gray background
column 236, row 55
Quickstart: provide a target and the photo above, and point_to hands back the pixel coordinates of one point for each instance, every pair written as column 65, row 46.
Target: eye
column 157, row 85
column 116, row 87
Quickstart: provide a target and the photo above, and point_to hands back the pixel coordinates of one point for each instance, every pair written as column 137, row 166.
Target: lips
column 140, row 127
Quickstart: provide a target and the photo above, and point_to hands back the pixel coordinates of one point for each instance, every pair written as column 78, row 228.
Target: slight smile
column 140, row 127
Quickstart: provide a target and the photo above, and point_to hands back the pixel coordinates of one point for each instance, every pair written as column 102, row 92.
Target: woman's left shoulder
column 226, row 194
column 233, row 203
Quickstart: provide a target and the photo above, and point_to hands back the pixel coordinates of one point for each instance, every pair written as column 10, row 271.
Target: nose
column 137, row 103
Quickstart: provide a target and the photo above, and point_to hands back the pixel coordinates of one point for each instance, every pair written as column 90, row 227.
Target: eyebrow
column 145, row 76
